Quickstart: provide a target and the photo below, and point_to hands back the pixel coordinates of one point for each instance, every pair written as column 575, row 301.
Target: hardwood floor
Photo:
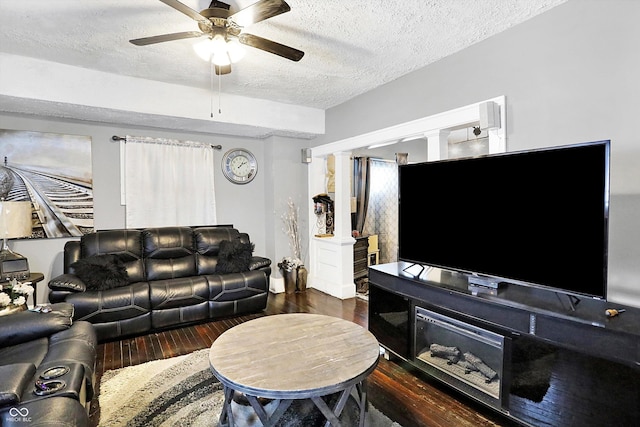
column 405, row 396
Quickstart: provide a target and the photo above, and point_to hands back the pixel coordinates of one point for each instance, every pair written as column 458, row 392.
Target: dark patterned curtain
column 382, row 212
column 361, row 184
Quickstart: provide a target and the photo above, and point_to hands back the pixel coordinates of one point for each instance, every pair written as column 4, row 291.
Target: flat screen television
column 538, row 217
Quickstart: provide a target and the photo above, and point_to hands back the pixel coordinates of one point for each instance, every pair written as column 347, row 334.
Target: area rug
column 180, row 391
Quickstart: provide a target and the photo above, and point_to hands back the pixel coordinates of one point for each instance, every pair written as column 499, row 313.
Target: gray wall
column 569, row 75
column 244, row 206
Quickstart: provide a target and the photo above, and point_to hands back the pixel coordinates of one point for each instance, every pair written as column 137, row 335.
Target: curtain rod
column 122, row 138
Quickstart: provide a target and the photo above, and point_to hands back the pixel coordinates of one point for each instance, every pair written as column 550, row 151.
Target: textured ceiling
column 350, row 46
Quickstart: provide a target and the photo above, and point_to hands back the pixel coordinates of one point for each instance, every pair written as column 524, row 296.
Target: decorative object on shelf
column 292, row 268
column 13, row 297
column 331, row 173
column 323, row 208
column 402, row 158
column 239, row 166
column 15, row 222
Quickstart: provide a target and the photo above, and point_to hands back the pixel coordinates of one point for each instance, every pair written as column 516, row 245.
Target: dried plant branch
column 290, row 220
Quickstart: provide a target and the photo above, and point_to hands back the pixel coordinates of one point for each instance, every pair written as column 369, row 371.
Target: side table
column 288, row 357
column 34, row 278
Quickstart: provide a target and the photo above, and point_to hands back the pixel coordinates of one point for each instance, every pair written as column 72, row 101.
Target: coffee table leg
column 363, row 403
column 269, row 421
column 329, row 415
column 226, row 415
column 332, row 415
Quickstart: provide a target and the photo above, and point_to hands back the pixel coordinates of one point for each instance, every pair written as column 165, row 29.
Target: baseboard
column 276, row 285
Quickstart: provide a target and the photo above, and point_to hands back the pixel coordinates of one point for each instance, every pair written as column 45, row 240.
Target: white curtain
column 168, row 182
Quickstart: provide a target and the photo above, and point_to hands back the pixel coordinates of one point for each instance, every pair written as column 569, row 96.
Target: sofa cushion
column 15, row 379
column 110, row 305
column 126, row 243
column 28, row 325
column 33, row 351
column 101, row 272
column 181, row 300
column 234, row 256
column 207, row 244
column 168, row 253
column 232, row 294
column 207, row 239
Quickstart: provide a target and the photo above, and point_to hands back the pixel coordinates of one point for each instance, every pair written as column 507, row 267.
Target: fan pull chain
column 211, row 88
column 213, row 67
column 220, row 92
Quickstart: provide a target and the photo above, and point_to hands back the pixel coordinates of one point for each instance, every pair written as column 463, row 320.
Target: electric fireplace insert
column 462, row 355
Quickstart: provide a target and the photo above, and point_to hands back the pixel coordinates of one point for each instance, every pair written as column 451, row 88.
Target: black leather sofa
column 173, row 277
column 31, row 344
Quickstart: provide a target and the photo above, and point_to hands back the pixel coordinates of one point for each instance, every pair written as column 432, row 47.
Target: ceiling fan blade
column 263, row 9
column 222, row 69
column 271, row 46
column 166, row 38
column 180, row 7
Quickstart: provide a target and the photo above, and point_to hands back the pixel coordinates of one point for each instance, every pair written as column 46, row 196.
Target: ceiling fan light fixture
column 224, row 32
column 221, row 59
column 204, row 49
column 218, row 44
column 235, row 50
column 211, row 47
column 219, row 51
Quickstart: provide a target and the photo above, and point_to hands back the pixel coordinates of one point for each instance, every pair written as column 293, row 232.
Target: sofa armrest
column 28, row 325
column 13, row 381
column 67, row 282
column 258, row 262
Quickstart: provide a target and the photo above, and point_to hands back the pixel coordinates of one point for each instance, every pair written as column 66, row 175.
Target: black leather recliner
column 30, row 345
column 173, row 280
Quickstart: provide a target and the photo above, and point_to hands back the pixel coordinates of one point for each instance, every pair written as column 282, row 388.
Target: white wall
column 569, row 75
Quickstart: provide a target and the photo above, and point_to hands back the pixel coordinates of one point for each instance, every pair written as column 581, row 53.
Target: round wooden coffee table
column 287, row 357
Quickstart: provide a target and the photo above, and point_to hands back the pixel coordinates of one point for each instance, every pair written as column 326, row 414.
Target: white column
column 343, row 195
column 332, row 257
column 437, row 144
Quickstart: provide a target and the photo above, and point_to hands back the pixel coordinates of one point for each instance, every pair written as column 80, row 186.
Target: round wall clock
column 239, row 166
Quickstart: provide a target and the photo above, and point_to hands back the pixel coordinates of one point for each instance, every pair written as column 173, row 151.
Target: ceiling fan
column 224, row 29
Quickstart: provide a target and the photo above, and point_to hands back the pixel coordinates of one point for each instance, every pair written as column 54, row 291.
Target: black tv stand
column 573, row 300
column 413, row 264
column 582, row 346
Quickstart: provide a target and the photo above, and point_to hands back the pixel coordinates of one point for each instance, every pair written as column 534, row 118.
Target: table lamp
column 15, row 221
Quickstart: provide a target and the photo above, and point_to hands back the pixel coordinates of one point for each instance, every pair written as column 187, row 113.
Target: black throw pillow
column 234, row 256
column 101, row 272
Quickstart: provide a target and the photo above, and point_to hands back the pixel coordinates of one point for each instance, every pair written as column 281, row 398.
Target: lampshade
column 235, row 50
column 219, row 51
column 15, row 219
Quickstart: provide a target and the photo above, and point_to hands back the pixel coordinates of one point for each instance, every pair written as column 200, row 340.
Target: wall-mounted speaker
column 306, row 155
